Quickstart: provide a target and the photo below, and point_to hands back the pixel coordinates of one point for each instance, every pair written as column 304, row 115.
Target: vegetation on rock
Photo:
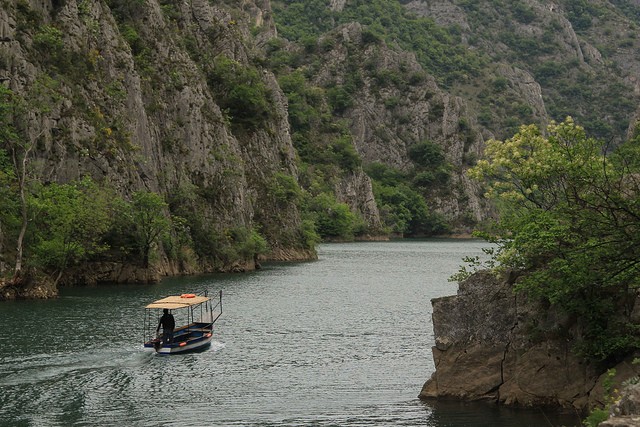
column 569, row 217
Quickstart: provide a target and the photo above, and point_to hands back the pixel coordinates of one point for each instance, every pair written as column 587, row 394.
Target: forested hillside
column 583, row 54
column 485, row 67
column 141, row 138
column 159, row 137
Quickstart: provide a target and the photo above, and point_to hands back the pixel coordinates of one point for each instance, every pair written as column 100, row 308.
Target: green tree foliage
column 148, row 221
column 308, row 113
column 310, row 236
column 332, row 219
column 324, row 143
column 126, row 9
column 70, row 223
column 339, row 99
column 9, row 208
column 404, row 210
column 299, row 19
column 240, row 91
column 285, row 189
column 431, row 167
column 14, row 112
column 327, row 151
column 48, row 41
column 305, row 101
column 212, row 244
column 570, row 218
column 245, row 243
column 439, row 50
column 8, row 190
column 582, row 12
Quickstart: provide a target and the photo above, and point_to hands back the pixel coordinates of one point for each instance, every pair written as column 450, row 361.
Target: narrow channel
column 342, row 341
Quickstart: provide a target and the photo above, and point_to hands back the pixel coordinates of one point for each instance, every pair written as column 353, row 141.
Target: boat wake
column 51, row 367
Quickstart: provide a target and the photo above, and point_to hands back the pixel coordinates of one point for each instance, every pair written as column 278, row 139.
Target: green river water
column 342, row 341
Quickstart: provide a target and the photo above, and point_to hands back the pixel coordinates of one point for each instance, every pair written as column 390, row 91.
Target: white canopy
column 178, row 301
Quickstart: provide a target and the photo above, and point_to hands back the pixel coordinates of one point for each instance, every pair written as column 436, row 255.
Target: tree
column 332, row 218
column 241, row 91
column 8, row 207
column 148, row 221
column 569, row 216
column 8, row 138
column 72, row 220
column 19, row 149
column 20, row 129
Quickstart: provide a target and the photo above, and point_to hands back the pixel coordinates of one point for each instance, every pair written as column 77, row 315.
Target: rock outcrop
column 494, row 345
column 625, row 412
column 32, row 289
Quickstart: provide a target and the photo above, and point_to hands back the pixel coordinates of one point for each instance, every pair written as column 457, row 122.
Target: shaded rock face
column 582, row 47
column 41, row 289
column 356, row 190
column 486, row 349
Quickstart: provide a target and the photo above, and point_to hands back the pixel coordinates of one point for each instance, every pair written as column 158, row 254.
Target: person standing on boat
column 168, row 323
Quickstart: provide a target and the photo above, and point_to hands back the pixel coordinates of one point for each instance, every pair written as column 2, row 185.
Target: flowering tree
column 569, row 216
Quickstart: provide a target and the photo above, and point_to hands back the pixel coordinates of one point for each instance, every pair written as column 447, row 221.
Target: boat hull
column 183, row 343
column 177, row 348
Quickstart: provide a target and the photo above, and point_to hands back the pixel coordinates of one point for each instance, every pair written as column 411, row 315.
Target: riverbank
column 96, row 273
column 42, row 289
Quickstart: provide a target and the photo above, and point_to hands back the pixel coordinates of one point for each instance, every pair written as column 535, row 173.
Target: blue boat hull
column 190, row 339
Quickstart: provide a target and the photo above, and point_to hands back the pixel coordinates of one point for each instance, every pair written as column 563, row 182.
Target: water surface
column 342, row 341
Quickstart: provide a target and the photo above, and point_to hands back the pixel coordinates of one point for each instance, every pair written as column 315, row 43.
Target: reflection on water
column 343, row 341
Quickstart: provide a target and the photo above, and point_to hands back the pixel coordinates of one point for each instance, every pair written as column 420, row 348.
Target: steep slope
column 185, row 100
column 396, row 114
column 583, row 55
column 454, row 73
column 500, row 347
column 394, row 106
column 140, row 95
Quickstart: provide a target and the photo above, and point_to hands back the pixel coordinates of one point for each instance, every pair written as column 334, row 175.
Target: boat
column 196, row 311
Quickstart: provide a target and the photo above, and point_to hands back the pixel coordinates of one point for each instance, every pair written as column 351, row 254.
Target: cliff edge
column 495, row 345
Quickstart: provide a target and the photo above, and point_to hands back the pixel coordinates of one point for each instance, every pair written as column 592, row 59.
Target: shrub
column 240, row 91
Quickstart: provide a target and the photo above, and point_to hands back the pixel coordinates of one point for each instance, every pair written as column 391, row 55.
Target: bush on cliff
column 569, row 215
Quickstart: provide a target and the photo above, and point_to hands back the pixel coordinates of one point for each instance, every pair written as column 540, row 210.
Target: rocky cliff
column 398, row 106
column 567, row 57
column 514, row 63
column 127, row 93
column 184, row 99
column 494, row 345
column 625, row 412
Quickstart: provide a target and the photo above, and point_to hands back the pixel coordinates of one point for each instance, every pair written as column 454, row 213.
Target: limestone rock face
column 337, row 5
column 140, row 113
column 625, row 421
column 356, row 190
column 399, row 105
column 491, row 344
column 42, row 289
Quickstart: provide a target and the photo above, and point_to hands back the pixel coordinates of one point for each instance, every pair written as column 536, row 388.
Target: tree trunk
column 22, row 182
